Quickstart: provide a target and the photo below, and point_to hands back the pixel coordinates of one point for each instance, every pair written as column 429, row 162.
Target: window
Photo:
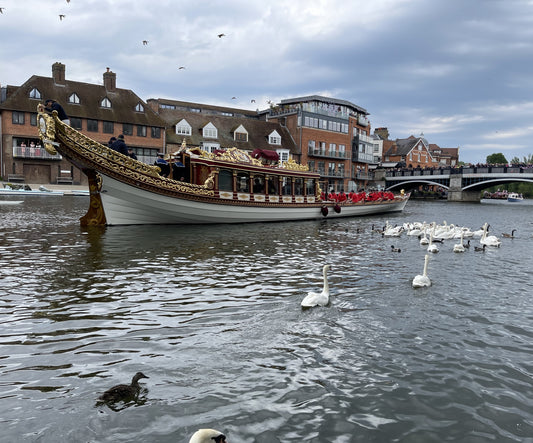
column 274, row 138
column 75, row 122
column 92, row 125
column 241, row 137
column 73, row 98
column 108, row 127
column 33, row 119
column 18, row 118
column 140, row 108
column 210, row 147
column 183, row 128
column 342, row 151
column 283, row 155
column 156, row 132
column 332, row 149
column 141, row 131
column 34, row 93
column 105, row 103
column 127, row 129
column 225, row 180
column 210, row 131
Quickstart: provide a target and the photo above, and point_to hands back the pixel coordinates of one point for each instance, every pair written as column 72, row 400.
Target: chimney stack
column 110, row 81
column 382, row 132
column 58, row 73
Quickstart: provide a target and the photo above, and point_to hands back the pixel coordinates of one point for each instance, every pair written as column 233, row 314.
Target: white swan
column 432, row 246
column 313, row 299
column 423, row 280
column 424, row 240
column 459, row 247
column 490, row 240
column 208, row 436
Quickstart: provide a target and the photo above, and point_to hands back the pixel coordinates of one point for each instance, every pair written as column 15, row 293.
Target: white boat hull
column 124, row 204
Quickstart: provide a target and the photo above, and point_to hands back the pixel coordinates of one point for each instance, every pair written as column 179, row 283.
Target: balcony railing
column 329, row 154
column 37, row 152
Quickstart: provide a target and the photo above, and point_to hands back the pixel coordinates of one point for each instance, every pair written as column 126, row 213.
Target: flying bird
column 234, row 98
column 61, row 16
column 68, row 1
column 2, row 10
column 181, row 67
column 145, row 42
column 221, row 35
column 252, row 101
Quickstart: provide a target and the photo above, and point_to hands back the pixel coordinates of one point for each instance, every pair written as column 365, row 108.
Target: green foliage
column 498, row 158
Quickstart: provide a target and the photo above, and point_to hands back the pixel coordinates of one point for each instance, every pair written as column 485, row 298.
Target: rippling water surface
column 212, row 315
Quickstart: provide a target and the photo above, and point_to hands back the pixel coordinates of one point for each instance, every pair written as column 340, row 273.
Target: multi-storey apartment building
column 333, row 137
column 98, row 111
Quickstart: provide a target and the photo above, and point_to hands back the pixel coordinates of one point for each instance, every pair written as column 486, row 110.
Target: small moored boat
column 514, row 197
column 230, row 186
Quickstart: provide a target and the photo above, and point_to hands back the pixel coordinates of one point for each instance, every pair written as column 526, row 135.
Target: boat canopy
column 266, row 154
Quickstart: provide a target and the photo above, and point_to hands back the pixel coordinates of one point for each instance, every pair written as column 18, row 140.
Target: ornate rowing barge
column 224, row 187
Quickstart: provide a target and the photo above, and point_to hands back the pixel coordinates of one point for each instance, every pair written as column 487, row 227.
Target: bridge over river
column 462, row 184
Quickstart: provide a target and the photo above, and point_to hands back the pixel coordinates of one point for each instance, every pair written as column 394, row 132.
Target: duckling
column 393, row 249
column 511, row 235
column 208, row 436
column 123, row 392
column 478, row 249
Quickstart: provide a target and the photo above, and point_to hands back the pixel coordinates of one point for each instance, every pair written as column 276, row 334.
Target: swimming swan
column 459, row 247
column 489, row 240
column 208, row 436
column 423, row 280
column 313, row 299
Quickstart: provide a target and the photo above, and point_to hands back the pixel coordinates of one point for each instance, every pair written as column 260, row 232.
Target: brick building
column 333, row 137
column 98, row 111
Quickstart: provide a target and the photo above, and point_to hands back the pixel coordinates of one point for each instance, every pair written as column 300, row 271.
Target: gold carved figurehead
column 47, row 129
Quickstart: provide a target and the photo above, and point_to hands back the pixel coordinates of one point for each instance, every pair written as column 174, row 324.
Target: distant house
column 98, row 111
column 414, row 152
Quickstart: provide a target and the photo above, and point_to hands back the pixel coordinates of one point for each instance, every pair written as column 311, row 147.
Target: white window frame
column 73, row 98
column 274, row 138
column 105, row 103
column 240, row 130
column 210, row 146
column 35, row 93
column 139, row 107
column 183, row 127
column 209, row 131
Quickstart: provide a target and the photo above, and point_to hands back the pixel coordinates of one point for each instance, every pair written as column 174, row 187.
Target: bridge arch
column 411, row 184
column 484, row 184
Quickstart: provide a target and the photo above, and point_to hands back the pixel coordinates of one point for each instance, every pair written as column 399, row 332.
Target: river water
column 211, row 314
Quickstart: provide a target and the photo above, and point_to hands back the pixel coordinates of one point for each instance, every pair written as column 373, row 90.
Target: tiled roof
column 258, row 131
column 123, row 101
column 184, row 106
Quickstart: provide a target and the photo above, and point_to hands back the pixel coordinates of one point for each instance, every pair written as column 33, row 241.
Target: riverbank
column 66, row 189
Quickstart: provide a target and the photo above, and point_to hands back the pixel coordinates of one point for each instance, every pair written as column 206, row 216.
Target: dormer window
column 34, row 93
column 210, row 131
column 139, row 107
column 274, row 138
column 183, row 128
column 240, row 134
column 73, row 98
column 105, row 103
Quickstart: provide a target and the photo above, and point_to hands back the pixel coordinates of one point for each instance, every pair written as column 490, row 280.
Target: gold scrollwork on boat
column 293, row 166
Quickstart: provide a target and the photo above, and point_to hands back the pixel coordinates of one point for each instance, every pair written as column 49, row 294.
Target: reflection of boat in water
column 230, row 186
column 27, row 190
column 11, row 202
column 514, row 197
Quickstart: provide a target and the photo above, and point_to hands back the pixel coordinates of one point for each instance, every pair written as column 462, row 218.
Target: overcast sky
column 458, row 71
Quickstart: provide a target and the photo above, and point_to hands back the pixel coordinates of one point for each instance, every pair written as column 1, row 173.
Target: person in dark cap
column 119, row 145
column 163, row 164
column 132, row 154
column 111, row 141
column 51, row 105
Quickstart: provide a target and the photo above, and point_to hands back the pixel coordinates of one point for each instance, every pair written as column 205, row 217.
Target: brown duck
column 124, row 392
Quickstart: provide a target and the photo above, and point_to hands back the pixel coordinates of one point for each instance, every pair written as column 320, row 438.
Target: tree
column 498, row 158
